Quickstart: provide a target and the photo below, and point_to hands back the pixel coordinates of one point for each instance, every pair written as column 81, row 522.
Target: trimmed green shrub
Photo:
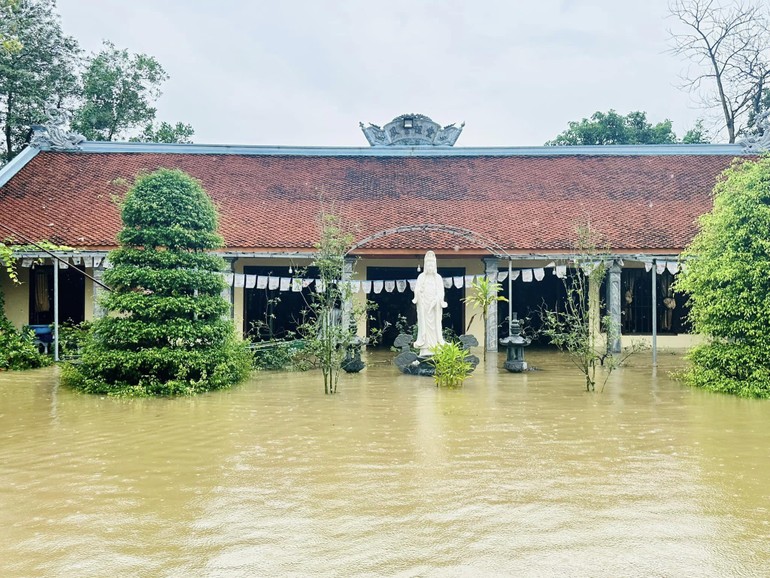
column 168, row 334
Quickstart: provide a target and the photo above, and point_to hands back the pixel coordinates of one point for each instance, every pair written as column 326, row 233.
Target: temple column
column 347, row 305
column 613, row 307
column 98, row 291
column 490, row 269
column 228, row 293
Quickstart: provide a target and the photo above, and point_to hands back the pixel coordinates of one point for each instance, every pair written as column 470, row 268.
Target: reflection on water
column 514, row 474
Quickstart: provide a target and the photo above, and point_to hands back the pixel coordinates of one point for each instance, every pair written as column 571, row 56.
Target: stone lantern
column 515, row 344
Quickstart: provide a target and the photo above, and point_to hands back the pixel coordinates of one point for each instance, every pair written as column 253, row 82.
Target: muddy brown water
column 512, row 475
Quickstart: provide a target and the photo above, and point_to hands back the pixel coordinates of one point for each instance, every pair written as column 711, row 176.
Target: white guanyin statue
column 429, row 297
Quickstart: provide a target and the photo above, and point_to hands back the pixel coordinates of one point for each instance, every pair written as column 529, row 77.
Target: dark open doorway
column 72, row 286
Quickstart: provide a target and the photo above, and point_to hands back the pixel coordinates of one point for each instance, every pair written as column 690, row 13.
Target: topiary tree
column 170, row 333
column 727, row 278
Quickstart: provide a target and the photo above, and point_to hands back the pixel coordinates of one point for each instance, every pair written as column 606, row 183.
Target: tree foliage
column 111, row 93
column 728, row 280
column 326, row 334
column 38, row 69
column 728, row 50
column 118, row 89
column 166, row 133
column 611, row 128
column 171, row 333
column 576, row 328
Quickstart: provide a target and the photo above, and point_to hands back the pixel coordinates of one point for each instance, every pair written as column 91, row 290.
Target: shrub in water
column 452, row 365
column 170, row 334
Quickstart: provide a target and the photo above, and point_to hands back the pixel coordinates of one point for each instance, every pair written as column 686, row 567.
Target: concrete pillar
column 98, row 292
column 490, row 269
column 347, row 305
column 228, row 294
column 613, row 307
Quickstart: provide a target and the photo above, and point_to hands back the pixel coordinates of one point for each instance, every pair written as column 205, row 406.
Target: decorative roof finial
column 760, row 143
column 54, row 135
column 411, row 130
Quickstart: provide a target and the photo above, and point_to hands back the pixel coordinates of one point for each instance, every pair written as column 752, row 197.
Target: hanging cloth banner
column 26, row 263
column 320, row 285
column 468, row 280
column 502, row 276
column 306, row 283
column 458, row 281
column 648, row 266
column 673, row 267
column 515, row 274
column 661, row 266
column 389, row 286
column 63, row 263
column 228, row 277
column 76, row 260
column 412, row 284
column 447, row 282
column 284, row 283
column 560, row 271
column 240, row 280
column 261, row 281
column 539, row 273
column 355, row 286
column 366, row 286
column 97, row 261
column 526, row 275
column 378, row 286
column 296, row 284
column 401, row 285
column 88, row 261
column 251, row 281
column 273, row 282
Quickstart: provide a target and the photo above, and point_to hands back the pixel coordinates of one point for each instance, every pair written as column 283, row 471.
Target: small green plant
column 484, row 294
column 451, row 365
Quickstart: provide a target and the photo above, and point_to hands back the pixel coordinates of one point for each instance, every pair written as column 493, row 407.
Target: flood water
column 512, row 475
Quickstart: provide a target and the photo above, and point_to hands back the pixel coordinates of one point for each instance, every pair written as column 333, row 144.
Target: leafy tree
column 696, row 135
column 166, row 133
column 728, row 280
column 38, row 65
column 576, row 328
column 728, row 49
column 612, row 128
column 118, row 91
column 327, row 336
column 484, row 294
column 171, row 334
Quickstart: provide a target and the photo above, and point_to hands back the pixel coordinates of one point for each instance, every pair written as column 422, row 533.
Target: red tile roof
column 524, row 203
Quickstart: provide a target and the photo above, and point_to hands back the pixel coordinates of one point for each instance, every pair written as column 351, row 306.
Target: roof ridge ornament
column 761, row 142
column 54, row 134
column 411, row 130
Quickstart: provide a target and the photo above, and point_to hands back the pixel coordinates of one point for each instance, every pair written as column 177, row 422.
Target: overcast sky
column 305, row 72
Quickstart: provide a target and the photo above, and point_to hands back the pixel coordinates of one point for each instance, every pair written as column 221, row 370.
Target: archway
column 396, row 309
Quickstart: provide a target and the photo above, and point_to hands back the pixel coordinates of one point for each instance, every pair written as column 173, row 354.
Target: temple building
column 505, row 212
